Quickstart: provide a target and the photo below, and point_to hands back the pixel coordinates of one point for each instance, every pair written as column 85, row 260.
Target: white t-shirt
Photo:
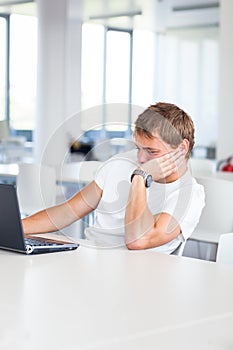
column 183, row 199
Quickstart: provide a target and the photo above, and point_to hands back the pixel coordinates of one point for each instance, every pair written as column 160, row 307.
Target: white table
column 114, row 299
column 69, row 174
column 9, row 172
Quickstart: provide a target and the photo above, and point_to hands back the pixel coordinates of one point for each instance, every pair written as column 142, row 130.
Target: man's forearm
column 60, row 216
column 49, row 220
column 138, row 218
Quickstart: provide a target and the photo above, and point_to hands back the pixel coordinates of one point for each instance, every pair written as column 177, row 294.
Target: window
column 23, row 63
column 118, row 79
column 105, row 76
column 117, row 66
column 18, row 62
column 187, row 75
column 92, row 66
column 144, row 68
column 3, row 67
column 117, row 70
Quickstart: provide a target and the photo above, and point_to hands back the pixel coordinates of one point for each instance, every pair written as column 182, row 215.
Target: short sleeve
column 186, row 206
column 102, row 174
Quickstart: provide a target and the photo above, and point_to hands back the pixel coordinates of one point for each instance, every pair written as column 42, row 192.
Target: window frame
column 7, row 67
column 28, row 134
column 129, row 121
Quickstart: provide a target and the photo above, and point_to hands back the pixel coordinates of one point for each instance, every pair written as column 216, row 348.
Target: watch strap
column 147, row 177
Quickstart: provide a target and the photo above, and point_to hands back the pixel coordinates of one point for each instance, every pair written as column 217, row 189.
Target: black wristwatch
column 147, row 177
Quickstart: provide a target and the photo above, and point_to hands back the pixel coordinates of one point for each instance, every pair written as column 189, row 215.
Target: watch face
column 149, row 180
column 147, row 177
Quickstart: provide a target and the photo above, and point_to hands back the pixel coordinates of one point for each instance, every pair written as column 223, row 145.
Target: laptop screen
column 11, row 234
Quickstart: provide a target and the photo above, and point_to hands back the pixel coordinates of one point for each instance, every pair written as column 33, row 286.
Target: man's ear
column 184, row 145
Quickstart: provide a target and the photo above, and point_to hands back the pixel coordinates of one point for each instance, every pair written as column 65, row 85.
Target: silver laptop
column 11, row 232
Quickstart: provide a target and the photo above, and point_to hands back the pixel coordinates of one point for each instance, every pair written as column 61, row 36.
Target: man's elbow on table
column 136, row 245
column 144, row 242
column 152, row 239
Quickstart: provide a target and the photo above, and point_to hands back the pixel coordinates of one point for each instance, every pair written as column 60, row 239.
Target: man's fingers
column 165, row 165
column 171, row 156
column 172, row 165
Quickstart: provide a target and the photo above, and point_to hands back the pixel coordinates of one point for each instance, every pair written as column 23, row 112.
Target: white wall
column 225, row 121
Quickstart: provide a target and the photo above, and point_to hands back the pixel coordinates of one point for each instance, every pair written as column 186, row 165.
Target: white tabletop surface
column 9, row 169
column 114, row 299
column 71, row 175
column 206, row 236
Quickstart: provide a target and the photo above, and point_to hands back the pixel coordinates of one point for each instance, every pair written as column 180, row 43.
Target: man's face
column 150, row 148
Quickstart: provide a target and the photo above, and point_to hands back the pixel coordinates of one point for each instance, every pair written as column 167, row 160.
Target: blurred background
column 63, row 59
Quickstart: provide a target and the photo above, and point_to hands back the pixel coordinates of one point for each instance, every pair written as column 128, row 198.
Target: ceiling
column 18, row 6
column 146, row 14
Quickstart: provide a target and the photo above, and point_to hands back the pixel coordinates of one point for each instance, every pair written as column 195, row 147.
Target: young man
column 144, row 199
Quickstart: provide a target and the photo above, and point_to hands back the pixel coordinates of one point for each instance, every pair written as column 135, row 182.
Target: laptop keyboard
column 37, row 242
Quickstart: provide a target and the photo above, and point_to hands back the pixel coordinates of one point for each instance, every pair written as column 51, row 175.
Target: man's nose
column 142, row 156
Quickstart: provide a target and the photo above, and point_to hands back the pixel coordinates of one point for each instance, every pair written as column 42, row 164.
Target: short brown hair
column 169, row 121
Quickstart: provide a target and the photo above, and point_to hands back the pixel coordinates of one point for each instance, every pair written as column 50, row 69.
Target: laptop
column 11, row 231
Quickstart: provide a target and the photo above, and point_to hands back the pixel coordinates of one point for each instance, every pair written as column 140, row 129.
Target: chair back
column 217, row 215
column 36, row 187
column 226, row 175
column 107, row 148
column 76, row 175
column 202, row 167
column 225, row 249
column 179, row 250
column 78, row 172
